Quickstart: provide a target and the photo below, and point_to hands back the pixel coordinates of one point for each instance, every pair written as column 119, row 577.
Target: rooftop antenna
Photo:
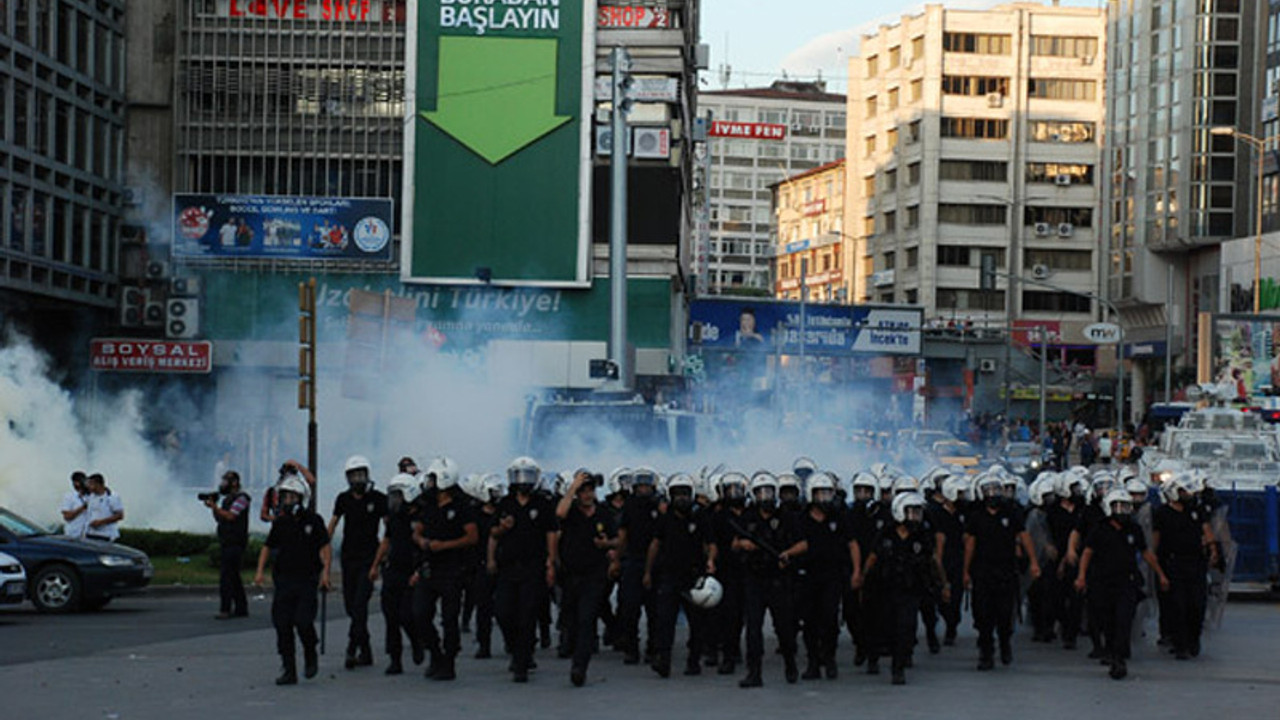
column 726, row 70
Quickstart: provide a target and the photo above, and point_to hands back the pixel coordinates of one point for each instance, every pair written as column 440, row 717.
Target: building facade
column 975, row 137
column 806, row 129
column 810, row 240
column 62, row 81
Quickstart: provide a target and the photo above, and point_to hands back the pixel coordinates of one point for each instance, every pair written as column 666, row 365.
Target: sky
column 759, row 39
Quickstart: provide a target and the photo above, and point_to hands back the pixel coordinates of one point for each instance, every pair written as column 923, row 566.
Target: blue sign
column 277, row 226
column 772, row 326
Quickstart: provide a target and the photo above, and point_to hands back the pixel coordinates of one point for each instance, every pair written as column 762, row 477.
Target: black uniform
column 994, row 573
column 1182, row 555
column 639, row 520
column 827, row 568
column 1091, row 516
column 440, row 581
column 861, row 607
column 1113, row 581
column 951, row 526
column 683, row 539
column 584, row 576
column 521, row 585
column 482, row 583
column 398, row 566
column 296, row 540
column 233, row 539
column 768, row 586
column 904, row 569
column 730, row 571
column 362, row 516
column 1068, row 604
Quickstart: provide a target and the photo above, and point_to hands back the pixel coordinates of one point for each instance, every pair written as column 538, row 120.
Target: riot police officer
column 445, row 534
column 639, row 519
column 868, row 517
column 1185, row 546
column 991, row 538
column 731, row 573
column 397, row 561
column 948, row 520
column 682, row 549
column 588, row 553
column 361, row 508
column 831, row 553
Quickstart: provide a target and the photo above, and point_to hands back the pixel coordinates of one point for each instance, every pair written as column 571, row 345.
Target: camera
column 206, row 497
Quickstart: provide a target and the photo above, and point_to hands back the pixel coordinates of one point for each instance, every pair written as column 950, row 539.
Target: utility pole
column 307, row 372
column 804, row 298
column 1044, row 371
column 1168, row 338
column 618, row 221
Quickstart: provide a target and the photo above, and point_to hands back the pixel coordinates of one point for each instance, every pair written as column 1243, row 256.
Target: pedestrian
column 1184, row 543
column 300, row 546
column 232, row 517
column 522, row 554
column 1109, row 573
column 361, row 508
column 397, row 560
column 75, row 506
column 105, row 512
column 587, row 549
column 446, row 533
column 991, row 538
column 682, row 549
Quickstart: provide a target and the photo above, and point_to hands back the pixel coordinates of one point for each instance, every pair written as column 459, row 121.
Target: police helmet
column 407, row 486
column 706, row 592
column 523, row 474
column 909, row 506
column 442, row 473
column 1117, row 502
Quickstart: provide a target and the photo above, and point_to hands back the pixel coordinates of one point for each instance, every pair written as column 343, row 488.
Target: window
column 893, row 98
column 890, row 179
column 917, row 90
column 958, row 299
column 913, row 217
column 972, row 214
column 1059, row 259
column 974, row 85
column 890, row 260
column 976, row 43
column 1061, row 46
column 835, row 120
column 987, row 170
column 913, row 174
column 891, row 222
column 891, row 139
column 913, row 259
column 895, row 56
column 1075, row 174
column 1064, row 131
column 869, row 146
column 869, row 185
column 1059, row 89
column 913, row 131
column 952, row 256
column 873, row 66
column 917, row 47
column 976, row 128
column 869, row 225
column 1038, row 301
column 871, row 107
column 1078, row 217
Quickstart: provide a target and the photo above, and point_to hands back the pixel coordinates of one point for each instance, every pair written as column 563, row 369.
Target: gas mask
column 682, row 502
column 358, row 481
column 395, row 501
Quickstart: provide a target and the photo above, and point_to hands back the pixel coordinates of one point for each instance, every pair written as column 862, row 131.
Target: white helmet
column 523, row 472
column 764, row 483
column 1117, row 496
column 804, row 467
column 788, row 481
column 706, row 592
column 645, row 476
column 409, row 487
column 619, row 480
column 1042, row 490
column 680, row 480
column 933, row 480
column 442, row 473
column 296, row 485
column 1170, row 488
column 494, row 487
column 905, row 484
column 988, row 485
column 1068, row 483
column 956, row 489
column 357, row 462
column 880, row 469
column 708, row 487
column 1102, row 485
column 866, row 481
column 1137, row 489
column 731, row 480
column 908, row 506
column 820, row 481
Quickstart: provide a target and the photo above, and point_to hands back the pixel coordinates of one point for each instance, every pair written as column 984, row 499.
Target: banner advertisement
column 1246, row 354
column 497, row 184
column 771, row 326
column 277, row 226
column 151, row 356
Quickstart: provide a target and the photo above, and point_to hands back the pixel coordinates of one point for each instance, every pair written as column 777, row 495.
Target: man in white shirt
column 75, row 507
column 106, row 510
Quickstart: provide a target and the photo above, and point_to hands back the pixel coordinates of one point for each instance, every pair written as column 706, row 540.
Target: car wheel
column 56, row 589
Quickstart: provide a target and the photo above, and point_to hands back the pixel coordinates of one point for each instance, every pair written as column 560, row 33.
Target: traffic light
column 987, row 280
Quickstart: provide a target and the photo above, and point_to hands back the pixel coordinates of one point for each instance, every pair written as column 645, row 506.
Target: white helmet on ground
column 909, row 506
column 442, row 473
column 523, row 474
column 706, row 592
column 407, row 486
column 1117, row 502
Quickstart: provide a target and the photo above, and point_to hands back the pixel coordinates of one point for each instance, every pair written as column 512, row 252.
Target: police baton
column 324, row 615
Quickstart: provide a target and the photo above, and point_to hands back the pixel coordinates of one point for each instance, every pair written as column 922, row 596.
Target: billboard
column 771, row 326
column 151, row 356
column 498, row 159
column 1246, row 354
column 277, row 226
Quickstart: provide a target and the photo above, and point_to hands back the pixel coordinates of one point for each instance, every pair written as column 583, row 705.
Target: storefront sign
column 151, row 356
column 616, row 17
column 748, row 131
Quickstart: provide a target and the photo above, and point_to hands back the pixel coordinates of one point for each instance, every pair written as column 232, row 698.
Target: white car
column 13, row 580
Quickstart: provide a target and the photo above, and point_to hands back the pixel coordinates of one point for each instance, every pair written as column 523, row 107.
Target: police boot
column 661, row 664
column 986, row 662
column 483, row 653
column 1118, row 669
column 433, row 667
column 833, row 670
column 792, row 671
column 631, row 656
column 445, row 671
column 692, row 666
column 394, row 667
column 726, row 665
column 419, row 653
column 931, row 636
column 1006, row 652
column 364, row 655
column 873, row 665
column 350, row 661
column 310, row 661
column 289, row 674
column 950, row 638
column 899, row 676
column 712, row 659
column 753, row 678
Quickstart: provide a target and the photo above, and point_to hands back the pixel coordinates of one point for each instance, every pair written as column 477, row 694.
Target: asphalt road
column 164, row 657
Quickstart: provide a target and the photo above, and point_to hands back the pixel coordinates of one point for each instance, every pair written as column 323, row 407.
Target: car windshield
column 1024, row 450
column 1204, row 449
column 954, row 448
column 1249, row 451
column 19, row 526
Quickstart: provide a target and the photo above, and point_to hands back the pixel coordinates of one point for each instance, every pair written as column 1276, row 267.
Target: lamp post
column 1259, row 146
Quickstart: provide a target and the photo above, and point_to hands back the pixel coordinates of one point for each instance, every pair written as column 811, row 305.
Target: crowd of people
column 879, row 554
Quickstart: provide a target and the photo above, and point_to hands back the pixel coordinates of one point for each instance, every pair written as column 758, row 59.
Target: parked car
column 65, row 574
column 13, row 580
column 1023, row 459
column 956, row 453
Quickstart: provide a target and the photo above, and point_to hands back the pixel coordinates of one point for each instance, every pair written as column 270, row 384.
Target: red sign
column 334, row 10
column 633, row 18
column 748, row 131
column 1027, row 332
column 151, row 356
column 814, row 207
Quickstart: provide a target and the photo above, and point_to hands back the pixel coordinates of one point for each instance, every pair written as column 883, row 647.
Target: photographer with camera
column 232, row 517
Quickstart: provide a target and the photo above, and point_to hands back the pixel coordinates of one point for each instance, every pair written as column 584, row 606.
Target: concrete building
column 976, row 135
column 745, row 162
column 810, row 241
column 1176, row 190
column 62, row 85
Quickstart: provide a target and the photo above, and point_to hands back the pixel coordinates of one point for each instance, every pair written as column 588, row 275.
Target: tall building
column 1176, row 189
column 975, row 137
column 760, row 136
column 62, row 80
column 811, row 238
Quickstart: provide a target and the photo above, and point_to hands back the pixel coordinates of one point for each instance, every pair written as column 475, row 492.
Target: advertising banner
column 336, row 11
column 497, row 185
column 151, row 356
column 748, row 131
column 276, row 226
column 1246, row 354
column 771, row 326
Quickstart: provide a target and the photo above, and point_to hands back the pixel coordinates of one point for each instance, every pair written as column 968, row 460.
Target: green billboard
column 498, row 154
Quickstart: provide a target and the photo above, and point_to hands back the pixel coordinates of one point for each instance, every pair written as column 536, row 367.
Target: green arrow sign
column 496, row 95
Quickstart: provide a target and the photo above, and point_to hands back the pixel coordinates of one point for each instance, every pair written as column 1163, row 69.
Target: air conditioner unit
column 157, row 270
column 182, row 318
column 604, row 141
column 995, row 100
column 1043, row 229
column 1066, row 229
column 184, row 287
column 1062, row 180
column 153, row 313
column 1040, row 272
column 651, row 143
column 133, row 303
column 987, row 365
column 132, row 197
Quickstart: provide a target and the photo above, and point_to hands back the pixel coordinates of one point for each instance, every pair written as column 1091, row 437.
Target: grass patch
column 169, row 571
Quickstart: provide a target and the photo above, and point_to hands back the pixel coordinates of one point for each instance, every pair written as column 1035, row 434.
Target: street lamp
column 1259, row 146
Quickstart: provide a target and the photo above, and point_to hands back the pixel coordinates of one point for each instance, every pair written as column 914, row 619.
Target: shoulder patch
column 693, row 527
column 369, row 508
column 831, row 526
column 773, row 524
column 533, row 514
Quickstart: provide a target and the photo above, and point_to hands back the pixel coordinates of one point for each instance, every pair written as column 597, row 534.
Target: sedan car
column 13, row 580
column 66, row 574
column 956, row 452
column 1023, row 459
